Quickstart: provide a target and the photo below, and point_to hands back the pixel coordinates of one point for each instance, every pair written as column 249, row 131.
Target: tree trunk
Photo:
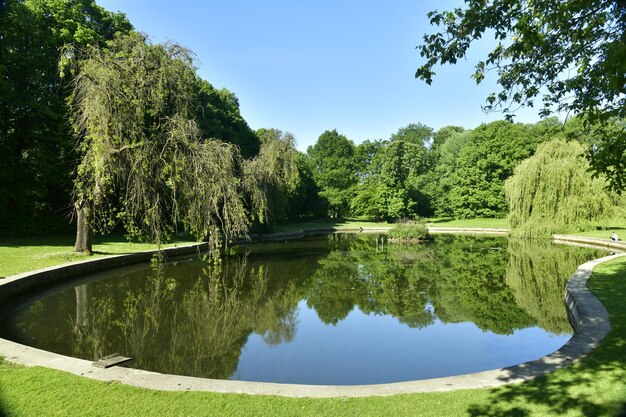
column 84, row 230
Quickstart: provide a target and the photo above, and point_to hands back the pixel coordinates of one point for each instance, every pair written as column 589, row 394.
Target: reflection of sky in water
column 364, row 349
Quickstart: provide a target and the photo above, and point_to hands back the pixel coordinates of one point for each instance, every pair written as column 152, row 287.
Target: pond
column 338, row 309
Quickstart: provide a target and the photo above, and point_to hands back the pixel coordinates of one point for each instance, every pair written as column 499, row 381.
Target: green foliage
column 273, row 174
column 553, row 192
column 447, row 153
column 440, row 137
column 142, row 157
column 401, row 164
column 409, row 231
column 487, row 159
column 218, row 117
column 304, row 201
column 36, row 150
column 568, row 55
column 391, row 175
column 368, row 200
column 334, row 170
column 415, row 133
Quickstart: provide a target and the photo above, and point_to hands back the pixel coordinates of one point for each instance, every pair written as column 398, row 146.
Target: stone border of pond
column 588, row 316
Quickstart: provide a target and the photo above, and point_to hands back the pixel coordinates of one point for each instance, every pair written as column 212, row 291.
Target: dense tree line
column 171, row 151
column 451, row 172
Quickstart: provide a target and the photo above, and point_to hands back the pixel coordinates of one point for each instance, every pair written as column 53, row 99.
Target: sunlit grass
column 26, row 253
column 325, row 224
column 435, row 222
column 594, row 387
column 469, row 223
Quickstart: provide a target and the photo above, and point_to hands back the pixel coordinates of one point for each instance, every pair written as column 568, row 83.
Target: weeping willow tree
column 142, row 156
column 272, row 173
column 554, row 192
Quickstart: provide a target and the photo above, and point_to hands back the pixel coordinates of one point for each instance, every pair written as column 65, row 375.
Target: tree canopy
column 486, row 160
column 143, row 158
column 568, row 55
column 36, row 150
column 218, row 117
column 553, row 192
column 334, row 169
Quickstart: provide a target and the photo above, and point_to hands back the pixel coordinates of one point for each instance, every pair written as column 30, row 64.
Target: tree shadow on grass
column 596, row 386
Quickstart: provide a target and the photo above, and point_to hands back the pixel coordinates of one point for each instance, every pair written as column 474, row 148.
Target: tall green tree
column 569, row 56
column 304, row 201
column 553, row 192
column 334, row 170
column 415, row 133
column 486, row 160
column 402, row 163
column 36, row 149
column 445, row 158
column 367, row 200
column 440, row 137
column 218, row 117
column 142, row 157
column 392, row 175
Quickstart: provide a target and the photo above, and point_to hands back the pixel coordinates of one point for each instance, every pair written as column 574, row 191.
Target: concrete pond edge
column 588, row 316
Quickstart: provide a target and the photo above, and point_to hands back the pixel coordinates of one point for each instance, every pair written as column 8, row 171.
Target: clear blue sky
column 309, row 66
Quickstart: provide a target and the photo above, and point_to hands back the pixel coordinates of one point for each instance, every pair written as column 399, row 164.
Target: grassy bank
column 26, row 253
column 324, row 224
column 349, row 224
column 469, row 223
column 594, row 387
column 604, row 234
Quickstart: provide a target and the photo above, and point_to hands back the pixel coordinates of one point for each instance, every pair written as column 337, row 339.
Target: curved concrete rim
column 588, row 316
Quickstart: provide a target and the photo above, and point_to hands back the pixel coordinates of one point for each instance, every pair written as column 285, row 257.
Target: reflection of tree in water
column 468, row 286
column 93, row 324
column 460, row 279
column 358, row 274
column 199, row 326
column 537, row 273
column 196, row 331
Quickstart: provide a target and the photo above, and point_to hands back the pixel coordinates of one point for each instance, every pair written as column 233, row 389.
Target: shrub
column 409, row 231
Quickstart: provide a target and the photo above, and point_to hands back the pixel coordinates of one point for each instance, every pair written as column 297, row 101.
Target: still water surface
column 337, row 309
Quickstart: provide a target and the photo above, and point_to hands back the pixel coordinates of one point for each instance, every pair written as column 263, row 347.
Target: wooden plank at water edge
column 111, row 360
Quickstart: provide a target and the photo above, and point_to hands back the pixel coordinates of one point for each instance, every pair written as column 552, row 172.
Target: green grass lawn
column 323, row 224
column 594, row 387
column 347, row 224
column 602, row 234
column 469, row 223
column 26, row 253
